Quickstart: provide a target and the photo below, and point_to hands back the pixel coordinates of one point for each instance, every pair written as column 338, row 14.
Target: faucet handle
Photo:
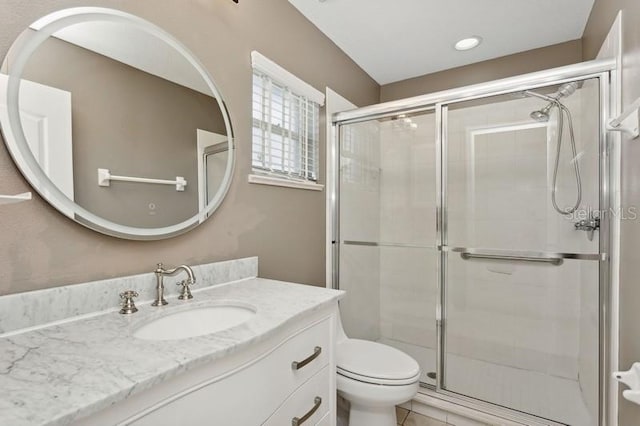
column 128, row 306
column 185, row 293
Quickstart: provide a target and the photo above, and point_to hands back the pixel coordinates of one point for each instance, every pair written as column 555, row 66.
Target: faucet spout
column 190, row 275
column 161, row 272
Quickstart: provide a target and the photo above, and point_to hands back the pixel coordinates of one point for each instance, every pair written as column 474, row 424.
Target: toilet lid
column 371, row 360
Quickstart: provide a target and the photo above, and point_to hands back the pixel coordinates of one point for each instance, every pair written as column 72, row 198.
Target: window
column 286, row 126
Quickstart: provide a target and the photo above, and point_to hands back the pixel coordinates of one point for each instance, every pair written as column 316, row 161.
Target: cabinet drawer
column 309, row 403
column 264, row 385
column 304, row 355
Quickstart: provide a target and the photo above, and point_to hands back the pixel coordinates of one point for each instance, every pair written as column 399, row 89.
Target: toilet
column 374, row 378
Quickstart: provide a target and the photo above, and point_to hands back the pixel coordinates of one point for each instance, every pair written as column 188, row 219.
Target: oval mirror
column 115, row 123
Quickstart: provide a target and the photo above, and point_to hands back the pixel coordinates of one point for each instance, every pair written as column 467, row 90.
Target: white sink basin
column 195, row 322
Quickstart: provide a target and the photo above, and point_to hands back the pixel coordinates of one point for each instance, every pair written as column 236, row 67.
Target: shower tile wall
column 360, row 221
column 408, row 276
column 484, row 211
column 360, row 278
column 388, row 196
column 494, row 148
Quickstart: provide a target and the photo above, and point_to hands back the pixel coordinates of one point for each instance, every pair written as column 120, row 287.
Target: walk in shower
column 470, row 232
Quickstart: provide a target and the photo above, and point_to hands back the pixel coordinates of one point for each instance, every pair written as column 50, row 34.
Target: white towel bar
column 10, row 199
column 105, row 177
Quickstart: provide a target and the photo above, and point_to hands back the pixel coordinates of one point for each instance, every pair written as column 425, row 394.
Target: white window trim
column 276, row 72
column 288, row 183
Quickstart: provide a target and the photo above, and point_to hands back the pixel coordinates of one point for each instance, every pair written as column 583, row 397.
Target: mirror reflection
column 123, row 124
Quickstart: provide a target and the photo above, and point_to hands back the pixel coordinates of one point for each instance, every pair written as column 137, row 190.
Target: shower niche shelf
column 11, row 199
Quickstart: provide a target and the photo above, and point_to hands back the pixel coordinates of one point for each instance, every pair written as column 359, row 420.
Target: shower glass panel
column 388, row 255
column 521, row 324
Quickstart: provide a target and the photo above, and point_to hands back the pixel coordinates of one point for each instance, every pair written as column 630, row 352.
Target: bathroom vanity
column 276, row 367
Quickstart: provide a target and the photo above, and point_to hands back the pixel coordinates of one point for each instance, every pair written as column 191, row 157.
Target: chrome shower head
column 564, row 91
column 542, row 115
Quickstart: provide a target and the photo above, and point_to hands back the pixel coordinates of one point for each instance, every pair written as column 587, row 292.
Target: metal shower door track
column 581, row 71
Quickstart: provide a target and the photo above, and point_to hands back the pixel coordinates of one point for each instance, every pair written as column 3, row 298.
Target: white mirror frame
column 18, row 147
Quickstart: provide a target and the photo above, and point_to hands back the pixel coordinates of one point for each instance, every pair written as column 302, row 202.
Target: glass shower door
column 387, row 234
column 520, row 317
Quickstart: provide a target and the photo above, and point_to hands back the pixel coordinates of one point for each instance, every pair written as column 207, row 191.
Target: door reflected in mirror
column 113, row 92
column 213, row 158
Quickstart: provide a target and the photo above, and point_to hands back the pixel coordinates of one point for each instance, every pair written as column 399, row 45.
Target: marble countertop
column 56, row 374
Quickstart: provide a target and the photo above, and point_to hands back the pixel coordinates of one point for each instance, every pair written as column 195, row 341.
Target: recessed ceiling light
column 468, row 43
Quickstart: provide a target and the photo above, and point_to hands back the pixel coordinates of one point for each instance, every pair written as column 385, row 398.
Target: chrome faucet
column 186, row 291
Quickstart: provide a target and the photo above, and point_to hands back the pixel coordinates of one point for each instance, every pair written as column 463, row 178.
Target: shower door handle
column 466, row 255
column 521, row 256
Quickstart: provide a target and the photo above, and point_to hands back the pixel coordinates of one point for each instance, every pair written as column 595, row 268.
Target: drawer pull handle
column 297, row 421
column 297, row 365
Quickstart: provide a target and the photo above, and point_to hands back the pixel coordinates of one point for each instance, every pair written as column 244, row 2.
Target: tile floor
column 405, row 416
column 410, row 418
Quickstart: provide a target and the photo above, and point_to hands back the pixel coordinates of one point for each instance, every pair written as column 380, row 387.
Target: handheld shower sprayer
column 542, row 115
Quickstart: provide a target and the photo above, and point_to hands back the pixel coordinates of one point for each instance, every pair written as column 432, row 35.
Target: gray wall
column 506, row 66
column 40, row 248
column 107, row 96
column 602, row 16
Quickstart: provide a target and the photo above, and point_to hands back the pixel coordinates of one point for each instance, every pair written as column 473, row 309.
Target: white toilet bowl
column 374, row 378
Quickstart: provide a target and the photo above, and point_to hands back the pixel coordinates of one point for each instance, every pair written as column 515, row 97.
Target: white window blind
column 285, row 126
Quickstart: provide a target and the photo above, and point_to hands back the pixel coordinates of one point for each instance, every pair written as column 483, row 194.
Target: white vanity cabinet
column 285, row 377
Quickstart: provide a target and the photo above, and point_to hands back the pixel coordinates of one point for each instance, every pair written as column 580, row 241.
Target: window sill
column 275, row 181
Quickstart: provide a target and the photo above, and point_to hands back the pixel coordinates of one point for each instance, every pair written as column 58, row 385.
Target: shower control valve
column 589, row 225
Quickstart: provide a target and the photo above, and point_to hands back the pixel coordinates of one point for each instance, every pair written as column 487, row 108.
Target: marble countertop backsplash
column 53, row 374
column 31, row 309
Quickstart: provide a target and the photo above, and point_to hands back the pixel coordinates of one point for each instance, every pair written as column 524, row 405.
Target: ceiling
column 394, row 40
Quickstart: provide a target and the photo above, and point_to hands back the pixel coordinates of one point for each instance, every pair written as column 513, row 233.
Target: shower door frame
column 600, row 69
